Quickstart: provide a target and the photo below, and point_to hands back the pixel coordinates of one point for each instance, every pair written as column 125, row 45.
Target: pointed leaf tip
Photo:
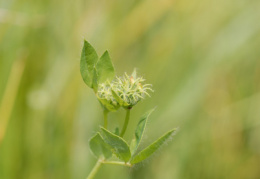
column 139, row 131
column 105, row 68
column 88, row 60
column 148, row 151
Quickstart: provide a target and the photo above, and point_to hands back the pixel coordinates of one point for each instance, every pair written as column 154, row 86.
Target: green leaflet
column 95, row 80
column 105, row 68
column 99, row 148
column 119, row 147
column 148, row 151
column 139, row 131
column 88, row 60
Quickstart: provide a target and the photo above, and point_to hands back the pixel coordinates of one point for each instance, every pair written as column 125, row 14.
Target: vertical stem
column 126, row 122
column 105, row 118
column 94, row 170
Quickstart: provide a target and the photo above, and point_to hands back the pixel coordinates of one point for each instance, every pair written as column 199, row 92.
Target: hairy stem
column 117, row 163
column 105, row 118
column 126, row 122
column 94, row 170
column 98, row 164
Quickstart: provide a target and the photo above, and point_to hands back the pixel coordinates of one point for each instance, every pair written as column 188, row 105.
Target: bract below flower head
column 105, row 97
column 129, row 90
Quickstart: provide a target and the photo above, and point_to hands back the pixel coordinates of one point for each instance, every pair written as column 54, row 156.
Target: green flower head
column 125, row 91
column 104, row 95
column 129, row 90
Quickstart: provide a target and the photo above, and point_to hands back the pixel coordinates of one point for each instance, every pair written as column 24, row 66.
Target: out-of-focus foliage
column 202, row 57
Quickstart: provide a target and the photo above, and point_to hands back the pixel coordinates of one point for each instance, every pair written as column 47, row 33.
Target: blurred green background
column 202, row 57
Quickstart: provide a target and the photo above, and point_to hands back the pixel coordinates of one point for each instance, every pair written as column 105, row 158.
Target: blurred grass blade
column 144, row 154
column 99, row 148
column 10, row 93
column 119, row 147
column 88, row 60
column 139, row 131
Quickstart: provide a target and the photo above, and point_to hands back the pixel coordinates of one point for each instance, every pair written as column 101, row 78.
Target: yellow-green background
column 202, row 57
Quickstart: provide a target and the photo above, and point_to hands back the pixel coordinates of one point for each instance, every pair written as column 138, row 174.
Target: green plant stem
column 94, row 170
column 117, row 163
column 126, row 122
column 105, row 118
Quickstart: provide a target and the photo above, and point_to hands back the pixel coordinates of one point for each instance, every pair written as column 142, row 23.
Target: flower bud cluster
column 104, row 92
column 125, row 91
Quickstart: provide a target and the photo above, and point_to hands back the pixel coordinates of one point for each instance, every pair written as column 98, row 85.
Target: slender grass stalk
column 105, row 118
column 127, row 117
column 94, row 170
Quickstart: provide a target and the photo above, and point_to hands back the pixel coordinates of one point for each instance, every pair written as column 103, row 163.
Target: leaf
column 99, row 148
column 139, row 131
column 148, row 151
column 95, row 80
column 105, row 68
column 119, row 146
column 88, row 60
